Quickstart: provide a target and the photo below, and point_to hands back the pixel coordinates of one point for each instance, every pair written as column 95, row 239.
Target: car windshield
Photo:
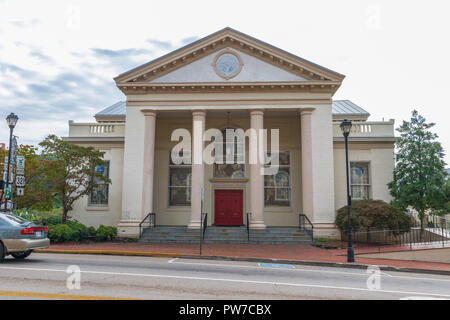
column 14, row 219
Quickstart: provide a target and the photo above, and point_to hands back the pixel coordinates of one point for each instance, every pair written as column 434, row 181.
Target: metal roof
column 346, row 107
column 116, row 110
column 339, row 107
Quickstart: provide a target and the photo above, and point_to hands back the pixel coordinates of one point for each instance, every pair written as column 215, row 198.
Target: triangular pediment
column 197, row 65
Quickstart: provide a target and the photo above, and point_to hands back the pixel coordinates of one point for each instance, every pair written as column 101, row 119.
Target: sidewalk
column 300, row 254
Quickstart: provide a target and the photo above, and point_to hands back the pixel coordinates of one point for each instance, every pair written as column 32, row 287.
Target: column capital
column 306, row 111
column 256, row 112
column 151, row 113
column 199, row 113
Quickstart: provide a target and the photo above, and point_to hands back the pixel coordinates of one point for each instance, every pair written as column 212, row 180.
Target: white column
column 198, row 128
column 307, row 169
column 149, row 162
column 256, row 176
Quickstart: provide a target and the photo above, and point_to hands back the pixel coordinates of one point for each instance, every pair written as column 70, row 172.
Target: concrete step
column 213, row 234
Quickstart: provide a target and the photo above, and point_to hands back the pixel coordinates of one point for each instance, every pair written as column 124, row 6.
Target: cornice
column 232, row 87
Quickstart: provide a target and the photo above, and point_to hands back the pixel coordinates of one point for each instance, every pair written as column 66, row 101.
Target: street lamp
column 11, row 119
column 346, row 127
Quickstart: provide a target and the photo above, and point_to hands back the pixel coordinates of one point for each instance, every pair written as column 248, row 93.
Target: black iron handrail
column 305, row 224
column 248, row 226
column 152, row 222
column 205, row 224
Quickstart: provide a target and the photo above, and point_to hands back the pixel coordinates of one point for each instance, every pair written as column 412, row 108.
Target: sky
column 58, row 58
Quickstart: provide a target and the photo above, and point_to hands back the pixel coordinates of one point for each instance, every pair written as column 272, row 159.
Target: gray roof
column 346, row 107
column 340, row 107
column 118, row 109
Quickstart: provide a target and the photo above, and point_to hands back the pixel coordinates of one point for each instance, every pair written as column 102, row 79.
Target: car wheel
column 2, row 252
column 22, row 254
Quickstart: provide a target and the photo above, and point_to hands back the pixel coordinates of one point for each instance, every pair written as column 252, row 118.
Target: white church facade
column 229, row 80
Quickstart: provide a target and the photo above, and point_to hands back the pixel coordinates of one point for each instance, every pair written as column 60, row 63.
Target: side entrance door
column 228, row 208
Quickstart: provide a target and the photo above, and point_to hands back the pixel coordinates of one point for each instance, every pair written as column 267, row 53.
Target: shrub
column 105, row 233
column 367, row 215
column 91, row 231
column 60, row 233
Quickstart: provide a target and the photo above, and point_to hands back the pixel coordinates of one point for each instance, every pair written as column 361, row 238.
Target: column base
column 194, row 225
column 257, row 225
column 128, row 229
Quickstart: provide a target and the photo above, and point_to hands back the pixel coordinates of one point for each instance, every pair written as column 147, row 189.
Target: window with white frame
column 277, row 187
column 99, row 195
column 180, row 180
column 359, row 180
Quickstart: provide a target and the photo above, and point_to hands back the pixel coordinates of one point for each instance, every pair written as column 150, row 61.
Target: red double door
column 228, row 208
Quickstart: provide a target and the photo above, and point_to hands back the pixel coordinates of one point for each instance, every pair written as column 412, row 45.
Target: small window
column 180, row 179
column 360, row 183
column 277, row 187
column 100, row 194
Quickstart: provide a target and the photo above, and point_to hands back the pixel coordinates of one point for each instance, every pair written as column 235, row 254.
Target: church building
column 231, row 82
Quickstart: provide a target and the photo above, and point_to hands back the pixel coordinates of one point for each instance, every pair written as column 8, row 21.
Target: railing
column 248, row 226
column 205, row 224
column 367, row 129
column 305, row 224
column 406, row 239
column 151, row 217
column 96, row 129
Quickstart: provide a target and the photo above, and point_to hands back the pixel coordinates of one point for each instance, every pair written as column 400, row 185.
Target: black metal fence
column 435, row 233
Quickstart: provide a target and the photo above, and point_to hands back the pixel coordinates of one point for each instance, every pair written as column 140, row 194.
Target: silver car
column 19, row 237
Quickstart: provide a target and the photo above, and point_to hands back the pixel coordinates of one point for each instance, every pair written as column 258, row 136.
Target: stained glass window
column 180, row 179
column 277, row 187
column 100, row 194
column 234, row 170
column 359, row 181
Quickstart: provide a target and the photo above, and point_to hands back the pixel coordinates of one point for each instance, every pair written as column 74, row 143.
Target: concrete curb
column 112, row 253
column 247, row 259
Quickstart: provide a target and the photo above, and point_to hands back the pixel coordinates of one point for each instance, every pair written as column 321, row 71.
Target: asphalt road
column 45, row 276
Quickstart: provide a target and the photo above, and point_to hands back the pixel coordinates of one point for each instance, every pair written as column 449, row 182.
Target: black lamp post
column 345, row 127
column 11, row 120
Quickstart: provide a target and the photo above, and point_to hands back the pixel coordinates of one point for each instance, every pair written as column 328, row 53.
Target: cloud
column 120, row 53
column 164, row 45
column 188, row 40
column 42, row 57
column 26, row 23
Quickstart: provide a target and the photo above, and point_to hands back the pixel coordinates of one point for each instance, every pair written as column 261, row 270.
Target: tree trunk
column 64, row 215
column 422, row 228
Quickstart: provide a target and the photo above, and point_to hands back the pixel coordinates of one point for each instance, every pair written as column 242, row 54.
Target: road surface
column 46, row 276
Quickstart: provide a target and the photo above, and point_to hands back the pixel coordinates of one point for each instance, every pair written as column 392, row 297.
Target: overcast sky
column 58, row 58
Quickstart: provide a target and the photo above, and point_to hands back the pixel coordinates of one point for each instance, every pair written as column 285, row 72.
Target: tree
column 37, row 194
column 419, row 174
column 71, row 170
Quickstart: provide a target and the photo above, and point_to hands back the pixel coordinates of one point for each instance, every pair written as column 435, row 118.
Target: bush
column 105, row 233
column 367, row 215
column 60, row 233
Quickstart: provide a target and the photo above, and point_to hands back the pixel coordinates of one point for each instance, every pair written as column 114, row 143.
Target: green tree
column 71, row 170
column 37, row 194
column 419, row 174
